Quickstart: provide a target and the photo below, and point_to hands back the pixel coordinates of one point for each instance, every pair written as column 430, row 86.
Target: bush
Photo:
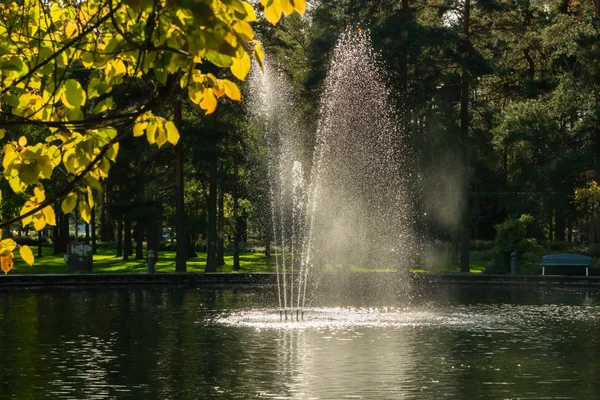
column 592, row 250
column 482, row 245
column 29, row 241
column 511, row 235
column 560, row 246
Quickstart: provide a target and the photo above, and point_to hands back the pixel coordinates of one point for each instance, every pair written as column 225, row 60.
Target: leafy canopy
column 67, row 68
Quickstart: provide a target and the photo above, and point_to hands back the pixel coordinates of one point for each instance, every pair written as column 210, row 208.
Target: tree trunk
column 40, row 250
column 181, row 249
column 106, row 221
column 120, row 236
column 56, row 235
column 551, row 225
column 127, row 246
column 139, row 241
column 87, row 233
column 211, row 254
column 221, row 225
column 268, row 251
column 64, row 234
column 236, row 219
column 559, row 223
column 153, row 234
column 464, row 136
column 94, row 244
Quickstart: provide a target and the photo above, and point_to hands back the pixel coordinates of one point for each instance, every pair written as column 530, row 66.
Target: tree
column 59, row 66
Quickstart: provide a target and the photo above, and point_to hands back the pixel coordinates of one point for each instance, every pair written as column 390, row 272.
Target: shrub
column 512, row 235
column 482, row 245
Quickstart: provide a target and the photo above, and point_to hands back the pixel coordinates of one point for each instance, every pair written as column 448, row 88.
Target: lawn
column 106, row 262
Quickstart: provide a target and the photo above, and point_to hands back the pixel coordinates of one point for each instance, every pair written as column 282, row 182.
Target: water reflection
column 159, row 343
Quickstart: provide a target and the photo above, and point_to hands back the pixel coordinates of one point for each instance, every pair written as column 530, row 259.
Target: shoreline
column 225, row 279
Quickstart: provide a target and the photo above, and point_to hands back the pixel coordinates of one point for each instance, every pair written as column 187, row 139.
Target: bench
column 566, row 260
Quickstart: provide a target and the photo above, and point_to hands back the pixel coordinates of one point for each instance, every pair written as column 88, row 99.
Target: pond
column 450, row 342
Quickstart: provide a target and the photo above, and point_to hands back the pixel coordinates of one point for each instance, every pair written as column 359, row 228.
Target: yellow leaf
column 90, row 194
column 151, row 132
column 2, row 133
column 241, row 66
column 49, row 215
column 39, row 195
column 85, row 212
column 26, row 255
column 172, row 133
column 287, row 6
column 26, row 208
column 231, row 90
column 115, row 68
column 139, row 127
column 273, row 10
column 161, row 134
column 22, row 141
column 69, row 203
column 73, row 95
column 300, row 6
column 8, row 246
column 39, row 222
column 7, row 262
column 251, row 15
column 258, row 52
column 209, row 101
column 244, row 29
column 71, row 29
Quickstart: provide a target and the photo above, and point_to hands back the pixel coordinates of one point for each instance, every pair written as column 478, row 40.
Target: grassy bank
column 106, row 262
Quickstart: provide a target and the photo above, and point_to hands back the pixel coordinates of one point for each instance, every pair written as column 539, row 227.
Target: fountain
column 356, row 209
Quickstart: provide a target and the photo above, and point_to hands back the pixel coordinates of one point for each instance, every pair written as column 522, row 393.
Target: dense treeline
column 500, row 100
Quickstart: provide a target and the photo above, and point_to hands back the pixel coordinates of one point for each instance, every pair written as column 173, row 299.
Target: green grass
column 106, row 262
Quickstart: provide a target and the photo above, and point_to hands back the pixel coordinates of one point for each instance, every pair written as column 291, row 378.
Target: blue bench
column 566, row 260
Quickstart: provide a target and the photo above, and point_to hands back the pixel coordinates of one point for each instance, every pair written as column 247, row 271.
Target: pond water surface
column 188, row 343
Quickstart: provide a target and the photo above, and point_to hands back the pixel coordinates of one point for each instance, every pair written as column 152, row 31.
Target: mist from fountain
column 356, row 210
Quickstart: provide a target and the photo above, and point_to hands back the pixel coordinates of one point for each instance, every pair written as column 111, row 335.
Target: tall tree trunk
column 94, row 244
column 153, row 234
column 56, row 235
column 559, row 223
column 106, row 222
column 551, row 225
column 120, row 236
column 403, row 73
column 127, row 245
column 40, row 251
column 236, row 234
column 221, row 223
column 211, row 254
column 139, row 241
column 64, row 234
column 464, row 136
column 87, row 233
column 181, row 249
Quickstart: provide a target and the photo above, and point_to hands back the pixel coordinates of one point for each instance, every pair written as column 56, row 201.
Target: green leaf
column 73, row 95
column 220, row 60
column 69, row 203
column 96, row 87
column 28, row 173
column 105, row 105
